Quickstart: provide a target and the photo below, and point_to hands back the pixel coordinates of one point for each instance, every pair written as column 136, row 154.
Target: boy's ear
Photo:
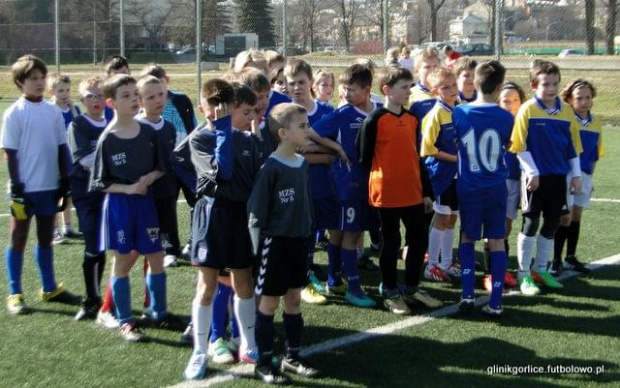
column 385, row 89
column 282, row 133
column 110, row 103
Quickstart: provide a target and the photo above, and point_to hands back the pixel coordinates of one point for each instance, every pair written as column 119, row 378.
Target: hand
column 138, row 188
column 575, row 184
column 428, row 205
column 532, row 183
column 344, row 160
column 20, row 207
column 146, row 180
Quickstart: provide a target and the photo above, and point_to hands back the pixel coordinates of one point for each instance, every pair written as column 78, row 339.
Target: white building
column 469, row 28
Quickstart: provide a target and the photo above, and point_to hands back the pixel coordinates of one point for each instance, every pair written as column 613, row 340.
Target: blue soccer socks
column 468, row 267
column 14, row 261
column 122, row 298
column 499, row 261
column 44, row 257
column 156, row 285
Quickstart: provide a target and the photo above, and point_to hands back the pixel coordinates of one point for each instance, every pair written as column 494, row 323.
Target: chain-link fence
column 329, row 33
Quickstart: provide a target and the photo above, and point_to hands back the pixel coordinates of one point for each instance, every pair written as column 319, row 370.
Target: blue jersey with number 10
column 482, row 133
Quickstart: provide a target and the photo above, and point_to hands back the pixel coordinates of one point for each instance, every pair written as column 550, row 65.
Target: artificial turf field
column 576, row 327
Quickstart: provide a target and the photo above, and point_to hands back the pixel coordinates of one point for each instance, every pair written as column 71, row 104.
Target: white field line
column 610, row 200
column 246, row 370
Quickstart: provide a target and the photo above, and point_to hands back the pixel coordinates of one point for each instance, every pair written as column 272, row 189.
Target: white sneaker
column 196, row 367
column 107, row 320
column 453, row 271
column 170, row 261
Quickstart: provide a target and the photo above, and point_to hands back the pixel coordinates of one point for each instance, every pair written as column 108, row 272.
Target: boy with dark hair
column 118, row 64
column 282, row 193
column 440, row 151
column 482, row 132
column 465, row 68
column 226, row 161
column 342, row 125
column 82, row 136
column 547, row 143
column 398, row 187
column 35, row 143
column 128, row 160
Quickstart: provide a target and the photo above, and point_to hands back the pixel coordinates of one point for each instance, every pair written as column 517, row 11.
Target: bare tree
column 610, row 25
column 434, row 9
column 151, row 19
column 590, row 31
column 347, row 11
column 309, row 14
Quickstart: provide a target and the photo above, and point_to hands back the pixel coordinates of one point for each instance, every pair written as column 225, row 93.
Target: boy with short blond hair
column 547, row 142
column 465, row 68
column 59, row 86
column 82, row 136
column 35, row 143
column 387, row 142
column 282, row 193
column 440, row 150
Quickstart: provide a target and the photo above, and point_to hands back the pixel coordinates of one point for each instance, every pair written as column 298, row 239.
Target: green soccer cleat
column 546, row 279
column 527, row 286
column 359, row 301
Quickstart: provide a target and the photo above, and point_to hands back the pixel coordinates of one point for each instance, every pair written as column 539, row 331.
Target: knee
column 530, row 226
column 549, row 227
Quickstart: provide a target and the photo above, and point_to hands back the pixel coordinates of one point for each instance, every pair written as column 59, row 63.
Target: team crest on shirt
column 287, row 195
column 153, row 234
column 120, row 236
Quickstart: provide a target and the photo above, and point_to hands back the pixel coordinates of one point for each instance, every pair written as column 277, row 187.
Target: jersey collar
column 552, row 111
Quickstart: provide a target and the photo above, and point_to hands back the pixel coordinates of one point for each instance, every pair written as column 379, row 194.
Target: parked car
column 569, row 53
column 473, row 49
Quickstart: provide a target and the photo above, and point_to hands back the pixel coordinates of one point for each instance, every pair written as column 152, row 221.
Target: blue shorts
column 489, row 213
column 326, row 213
column 42, row 203
column 220, row 236
column 357, row 216
column 130, row 223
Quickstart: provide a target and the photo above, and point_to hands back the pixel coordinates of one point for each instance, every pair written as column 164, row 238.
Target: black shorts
column 89, row 207
column 282, row 266
column 550, row 198
column 447, row 203
column 220, row 236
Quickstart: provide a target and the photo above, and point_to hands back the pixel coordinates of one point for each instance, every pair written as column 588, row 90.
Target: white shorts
column 581, row 199
column 513, row 187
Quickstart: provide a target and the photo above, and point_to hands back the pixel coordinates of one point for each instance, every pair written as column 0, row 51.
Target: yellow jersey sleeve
column 431, row 125
column 574, row 132
column 518, row 139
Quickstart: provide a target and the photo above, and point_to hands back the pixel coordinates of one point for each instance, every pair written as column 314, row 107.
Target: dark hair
column 282, row 115
column 243, row 94
column 391, row 75
column 464, row 63
column 513, row 86
column 57, row 79
column 489, row 75
column 357, row 74
column 24, row 66
column 217, row 91
column 116, row 63
column 543, row 67
column 575, row 84
column 154, row 69
column 254, row 78
column 111, row 85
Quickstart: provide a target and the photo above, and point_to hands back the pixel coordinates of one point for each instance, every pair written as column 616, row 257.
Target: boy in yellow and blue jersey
column 546, row 141
column 579, row 94
column 439, row 148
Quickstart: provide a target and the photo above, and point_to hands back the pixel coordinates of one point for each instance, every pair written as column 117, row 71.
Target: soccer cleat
column 107, row 320
column 435, row 274
column 340, row 289
column 555, row 268
column 132, row 333
column 453, row 271
column 196, row 367
column 509, row 280
column 422, row 297
column 365, row 263
column 299, row 366
column 168, row 322
column 249, row 356
column 359, row 301
column 89, row 310
column 170, row 261
column 491, row 311
column 527, row 285
column 571, row 262
column 15, row 305
column 310, row 295
column 396, row 305
column 487, row 283
column 188, row 335
column 60, row 295
column 220, row 352
column 316, row 283
column 546, row 279
column 270, row 375
column 72, row 234
column 58, row 237
column 467, row 305
column 186, row 253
